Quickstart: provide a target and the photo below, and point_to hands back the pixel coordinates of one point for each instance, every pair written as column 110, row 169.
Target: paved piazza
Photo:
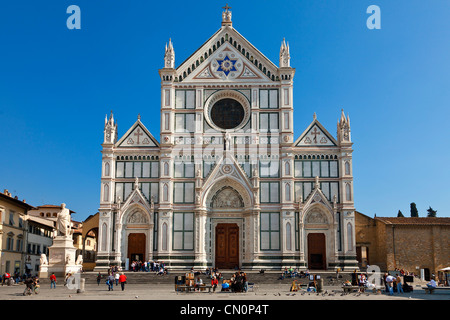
column 167, row 292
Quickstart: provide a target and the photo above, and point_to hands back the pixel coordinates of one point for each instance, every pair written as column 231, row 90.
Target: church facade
column 227, row 185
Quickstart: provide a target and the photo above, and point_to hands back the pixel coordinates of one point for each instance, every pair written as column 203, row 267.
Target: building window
column 287, row 192
column 185, row 122
column 150, row 190
column 268, row 122
column 183, row 192
column 106, row 193
column 184, row 99
column 11, row 218
column 288, row 236
column 269, row 192
column 268, row 98
column 349, row 237
column 312, row 169
column 155, row 231
column 348, row 192
column 139, row 169
column 183, row 231
column 329, row 189
column 9, row 243
column 270, row 231
column 347, row 168
column 107, row 169
column 164, row 237
column 269, row 168
column 183, row 169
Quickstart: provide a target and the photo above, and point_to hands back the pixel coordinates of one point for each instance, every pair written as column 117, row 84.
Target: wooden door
column 317, row 251
column 227, row 246
column 136, row 246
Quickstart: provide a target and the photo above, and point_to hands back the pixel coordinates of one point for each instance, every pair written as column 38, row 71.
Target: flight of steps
column 253, row 277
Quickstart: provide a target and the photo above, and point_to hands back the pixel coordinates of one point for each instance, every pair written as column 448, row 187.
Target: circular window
column 227, row 113
column 227, row 110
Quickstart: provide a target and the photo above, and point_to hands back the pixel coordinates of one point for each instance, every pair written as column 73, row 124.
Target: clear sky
column 57, row 85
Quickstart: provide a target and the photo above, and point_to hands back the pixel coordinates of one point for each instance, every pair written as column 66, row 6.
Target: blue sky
column 57, row 85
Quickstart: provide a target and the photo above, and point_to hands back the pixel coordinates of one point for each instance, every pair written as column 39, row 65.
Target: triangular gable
column 252, row 62
column 315, row 136
column 137, row 137
column 227, row 64
column 227, row 167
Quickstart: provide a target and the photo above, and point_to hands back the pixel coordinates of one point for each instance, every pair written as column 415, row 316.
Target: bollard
column 320, row 285
column 81, row 288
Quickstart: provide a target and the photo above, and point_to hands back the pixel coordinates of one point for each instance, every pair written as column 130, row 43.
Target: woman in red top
column 122, row 280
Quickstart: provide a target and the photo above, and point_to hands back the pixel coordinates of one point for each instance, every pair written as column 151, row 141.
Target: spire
column 344, row 128
column 284, row 55
column 110, row 131
column 226, row 16
column 169, row 55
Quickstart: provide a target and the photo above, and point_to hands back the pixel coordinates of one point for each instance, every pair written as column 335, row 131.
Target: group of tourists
column 113, row 278
column 292, row 273
column 149, row 266
column 10, row 279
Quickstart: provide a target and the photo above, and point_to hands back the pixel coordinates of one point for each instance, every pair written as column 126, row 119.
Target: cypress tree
column 414, row 212
column 400, row 214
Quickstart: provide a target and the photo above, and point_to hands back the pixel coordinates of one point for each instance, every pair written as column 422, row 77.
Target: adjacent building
column 13, row 233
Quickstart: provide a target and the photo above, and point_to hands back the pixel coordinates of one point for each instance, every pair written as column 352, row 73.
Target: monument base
column 61, row 258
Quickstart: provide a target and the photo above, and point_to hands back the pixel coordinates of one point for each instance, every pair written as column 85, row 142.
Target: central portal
column 227, row 246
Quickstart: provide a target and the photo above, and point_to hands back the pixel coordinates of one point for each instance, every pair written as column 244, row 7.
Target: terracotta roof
column 414, row 220
column 53, row 206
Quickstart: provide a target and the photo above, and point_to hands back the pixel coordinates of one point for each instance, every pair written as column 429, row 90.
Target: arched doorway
column 227, row 246
column 136, row 246
column 317, row 251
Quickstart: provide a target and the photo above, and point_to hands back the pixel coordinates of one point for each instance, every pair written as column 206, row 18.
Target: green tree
column 414, row 212
column 400, row 214
column 431, row 212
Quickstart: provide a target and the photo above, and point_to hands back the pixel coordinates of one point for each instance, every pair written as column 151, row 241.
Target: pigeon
column 136, row 297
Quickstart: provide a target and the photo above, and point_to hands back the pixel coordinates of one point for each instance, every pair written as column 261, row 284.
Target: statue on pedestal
column 63, row 222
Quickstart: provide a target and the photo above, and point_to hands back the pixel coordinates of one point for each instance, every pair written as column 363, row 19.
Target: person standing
column 116, row 277
column 99, row 278
column 53, row 281
column 122, row 280
column 110, row 282
column 398, row 282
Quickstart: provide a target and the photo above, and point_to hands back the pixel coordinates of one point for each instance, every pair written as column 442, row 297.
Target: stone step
column 253, row 277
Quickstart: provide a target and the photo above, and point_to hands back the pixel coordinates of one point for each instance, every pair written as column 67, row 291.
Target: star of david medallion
column 226, row 65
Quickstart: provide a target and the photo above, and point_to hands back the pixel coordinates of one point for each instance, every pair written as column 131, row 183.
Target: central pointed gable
column 227, row 45
column 315, row 136
column 137, row 136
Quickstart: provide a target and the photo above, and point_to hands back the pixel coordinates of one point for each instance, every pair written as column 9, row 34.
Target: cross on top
column 226, row 7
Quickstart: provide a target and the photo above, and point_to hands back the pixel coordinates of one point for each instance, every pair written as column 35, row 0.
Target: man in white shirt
column 432, row 284
column 390, row 282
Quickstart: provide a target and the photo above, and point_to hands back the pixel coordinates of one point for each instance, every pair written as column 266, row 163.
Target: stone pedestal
column 62, row 258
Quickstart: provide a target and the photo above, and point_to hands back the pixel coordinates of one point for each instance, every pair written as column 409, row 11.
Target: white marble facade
column 227, row 156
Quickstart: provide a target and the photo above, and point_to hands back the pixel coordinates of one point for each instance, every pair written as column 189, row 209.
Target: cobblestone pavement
column 167, row 292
